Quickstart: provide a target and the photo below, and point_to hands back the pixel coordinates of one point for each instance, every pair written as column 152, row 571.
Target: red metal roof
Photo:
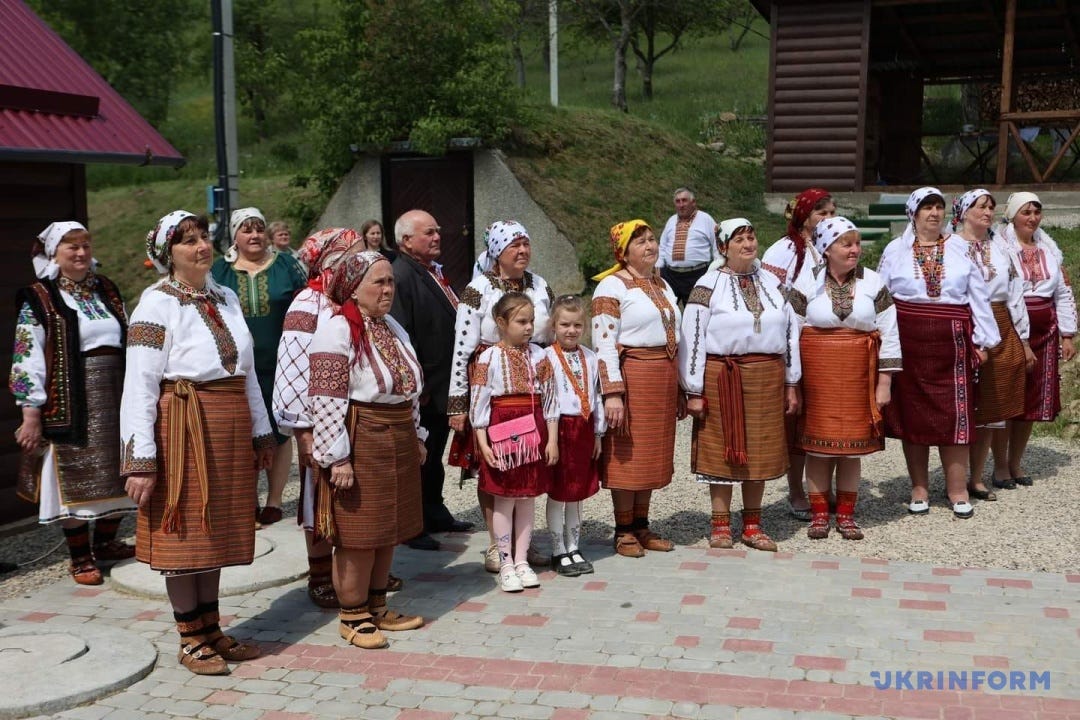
column 55, row 108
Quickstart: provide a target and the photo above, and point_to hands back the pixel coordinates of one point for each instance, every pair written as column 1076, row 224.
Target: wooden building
column 56, row 115
column 847, row 80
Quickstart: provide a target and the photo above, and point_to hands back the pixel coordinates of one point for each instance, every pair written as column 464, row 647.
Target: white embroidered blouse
column 502, row 370
column 631, row 312
column 309, row 309
column 737, row 314
column 781, row 256
column 1003, row 282
column 961, row 283
column 860, row 303
column 1042, row 271
column 180, row 334
column 582, row 381
column 388, row 374
column 475, row 325
column 97, row 328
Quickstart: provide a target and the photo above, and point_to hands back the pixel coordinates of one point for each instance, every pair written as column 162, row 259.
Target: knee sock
column 721, row 522
column 751, row 522
column 573, row 526
column 502, row 525
column 78, row 542
column 624, row 521
column 105, row 530
column 524, row 509
column 556, row 521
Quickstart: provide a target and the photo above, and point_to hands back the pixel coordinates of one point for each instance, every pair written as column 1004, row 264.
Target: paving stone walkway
column 696, row 633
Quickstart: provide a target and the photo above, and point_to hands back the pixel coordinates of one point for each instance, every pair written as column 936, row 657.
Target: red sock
column 845, row 503
column 751, row 522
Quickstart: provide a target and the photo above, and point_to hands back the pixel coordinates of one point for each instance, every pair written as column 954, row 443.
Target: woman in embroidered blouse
column 309, row 308
column 364, row 391
column 1051, row 309
column 849, row 347
column 66, row 374
column 635, row 331
column 502, row 267
column 195, row 432
column 791, row 258
column 1000, row 391
column 266, row 282
column 946, row 329
column 739, row 364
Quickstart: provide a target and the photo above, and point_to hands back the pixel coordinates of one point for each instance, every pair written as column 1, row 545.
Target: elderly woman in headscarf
column 502, row 267
column 849, row 347
column 364, row 390
column 635, row 330
column 1051, row 307
column 266, row 281
column 67, row 368
column 739, row 364
column 311, row 307
column 946, row 331
column 1000, row 390
column 194, row 432
column 790, row 258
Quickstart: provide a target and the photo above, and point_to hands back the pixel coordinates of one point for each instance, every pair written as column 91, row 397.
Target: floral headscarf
column 322, row 250
column 349, row 272
column 236, row 221
column 911, row 207
column 962, row 203
column 50, row 237
column 159, row 240
column 498, row 236
column 620, row 237
column 830, row 230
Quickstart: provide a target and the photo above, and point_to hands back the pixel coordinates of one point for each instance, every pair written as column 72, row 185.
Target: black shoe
column 1009, row 484
column 584, row 566
column 1024, row 480
column 564, row 565
column 424, row 542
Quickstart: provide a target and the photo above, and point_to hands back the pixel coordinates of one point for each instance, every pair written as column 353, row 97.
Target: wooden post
column 1006, row 90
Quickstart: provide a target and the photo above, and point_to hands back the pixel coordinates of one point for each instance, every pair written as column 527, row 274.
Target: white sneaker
column 491, row 559
column 509, row 580
column 527, row 576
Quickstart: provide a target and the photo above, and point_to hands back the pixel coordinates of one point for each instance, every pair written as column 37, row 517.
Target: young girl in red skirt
column 582, row 423
column 514, row 411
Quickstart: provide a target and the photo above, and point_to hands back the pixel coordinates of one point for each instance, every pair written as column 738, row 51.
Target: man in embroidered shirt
column 426, row 306
column 687, row 245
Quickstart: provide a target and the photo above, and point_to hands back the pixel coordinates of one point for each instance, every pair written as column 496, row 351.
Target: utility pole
column 227, row 193
column 553, row 57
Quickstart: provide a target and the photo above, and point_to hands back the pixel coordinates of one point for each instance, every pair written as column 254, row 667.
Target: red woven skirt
column 933, row 396
column 531, row 479
column 1042, row 398
column 576, row 477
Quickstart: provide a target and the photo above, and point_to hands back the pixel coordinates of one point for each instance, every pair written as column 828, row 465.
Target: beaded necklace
column 82, row 292
column 929, row 263
column 749, row 288
column 581, row 389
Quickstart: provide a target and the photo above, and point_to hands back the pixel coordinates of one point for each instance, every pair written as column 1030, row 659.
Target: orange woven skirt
column 840, row 415
column 383, row 507
column 762, row 390
column 642, row 456
column 229, row 537
column 999, row 394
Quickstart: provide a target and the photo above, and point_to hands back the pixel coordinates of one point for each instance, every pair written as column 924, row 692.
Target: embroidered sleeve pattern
column 700, row 295
column 549, row 396
column 466, row 340
column 779, row 272
column 798, row 302
column 130, row 464
column 27, row 379
column 146, row 334
column 328, row 399
column 480, row 391
column 300, row 321
column 883, row 300
column 471, row 297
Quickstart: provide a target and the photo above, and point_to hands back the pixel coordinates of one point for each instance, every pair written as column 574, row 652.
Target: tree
column 615, row 20
column 530, row 15
column 742, row 14
column 390, row 70
column 671, row 20
column 139, row 47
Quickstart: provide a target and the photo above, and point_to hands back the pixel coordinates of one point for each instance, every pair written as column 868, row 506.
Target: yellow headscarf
column 620, row 238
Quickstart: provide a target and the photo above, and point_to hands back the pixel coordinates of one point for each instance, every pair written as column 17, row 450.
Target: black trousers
column 437, row 516
column 682, row 282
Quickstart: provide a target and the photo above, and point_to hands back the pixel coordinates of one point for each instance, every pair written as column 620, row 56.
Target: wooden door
column 443, row 187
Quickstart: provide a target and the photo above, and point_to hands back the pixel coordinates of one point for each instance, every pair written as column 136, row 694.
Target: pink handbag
column 516, row 442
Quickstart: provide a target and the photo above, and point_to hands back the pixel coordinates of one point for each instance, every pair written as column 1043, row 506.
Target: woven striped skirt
column 383, row 507
column 1042, row 399
column 840, row 415
column 227, row 537
column 719, row 442
column 933, row 397
column 525, row 481
column 642, row 455
column 1000, row 392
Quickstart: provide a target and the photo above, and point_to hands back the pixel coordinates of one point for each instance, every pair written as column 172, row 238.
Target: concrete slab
column 48, row 670
column 280, row 558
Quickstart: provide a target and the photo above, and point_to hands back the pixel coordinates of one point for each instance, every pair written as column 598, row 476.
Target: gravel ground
column 1026, row 529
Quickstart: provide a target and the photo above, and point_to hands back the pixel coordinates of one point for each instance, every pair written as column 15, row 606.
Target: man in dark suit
column 426, row 306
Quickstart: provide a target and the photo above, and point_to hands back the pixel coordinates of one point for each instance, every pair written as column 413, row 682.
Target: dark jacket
column 424, row 311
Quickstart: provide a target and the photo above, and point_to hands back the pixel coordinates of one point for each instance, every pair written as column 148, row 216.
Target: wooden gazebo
column 847, row 79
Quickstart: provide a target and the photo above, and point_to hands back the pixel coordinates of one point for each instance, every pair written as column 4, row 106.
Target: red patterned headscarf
column 347, row 276
column 797, row 213
column 321, row 252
